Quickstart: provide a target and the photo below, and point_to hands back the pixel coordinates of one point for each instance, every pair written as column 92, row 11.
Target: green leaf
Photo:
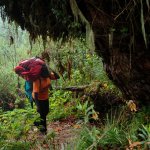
column 142, row 136
column 89, row 108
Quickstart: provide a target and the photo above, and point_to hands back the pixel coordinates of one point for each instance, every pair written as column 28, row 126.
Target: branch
column 73, row 88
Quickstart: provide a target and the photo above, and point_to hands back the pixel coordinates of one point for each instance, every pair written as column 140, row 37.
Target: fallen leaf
column 132, row 105
column 95, row 116
column 45, row 146
column 105, row 85
column 76, row 126
column 135, row 144
column 58, row 129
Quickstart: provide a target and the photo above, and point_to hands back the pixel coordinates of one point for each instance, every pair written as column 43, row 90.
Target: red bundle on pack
column 30, row 68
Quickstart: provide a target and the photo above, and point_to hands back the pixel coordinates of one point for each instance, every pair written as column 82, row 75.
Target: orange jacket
column 40, row 87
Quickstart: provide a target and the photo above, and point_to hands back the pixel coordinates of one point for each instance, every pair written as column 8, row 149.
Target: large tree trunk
column 125, row 56
column 129, row 71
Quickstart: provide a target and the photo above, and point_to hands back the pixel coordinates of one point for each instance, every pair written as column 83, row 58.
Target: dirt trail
column 61, row 135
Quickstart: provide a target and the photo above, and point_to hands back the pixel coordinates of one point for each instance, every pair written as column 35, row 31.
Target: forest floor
column 60, row 135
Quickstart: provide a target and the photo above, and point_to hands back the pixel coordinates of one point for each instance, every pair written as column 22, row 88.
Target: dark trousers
column 42, row 109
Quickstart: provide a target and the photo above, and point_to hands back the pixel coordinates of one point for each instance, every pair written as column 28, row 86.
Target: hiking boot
column 36, row 123
column 43, row 130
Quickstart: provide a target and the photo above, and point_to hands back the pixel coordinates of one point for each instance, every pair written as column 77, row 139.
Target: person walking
column 41, row 97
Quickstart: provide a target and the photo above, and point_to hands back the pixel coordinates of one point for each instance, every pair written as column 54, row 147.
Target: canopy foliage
column 67, row 18
column 56, row 19
column 41, row 17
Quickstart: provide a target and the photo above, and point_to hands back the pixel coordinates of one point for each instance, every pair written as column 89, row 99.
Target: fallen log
column 72, row 88
column 104, row 99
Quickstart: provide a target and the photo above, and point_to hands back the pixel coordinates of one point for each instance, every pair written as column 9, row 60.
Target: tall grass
column 118, row 129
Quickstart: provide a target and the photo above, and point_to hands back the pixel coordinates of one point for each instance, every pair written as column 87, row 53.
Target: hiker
column 36, row 72
column 41, row 98
column 30, row 70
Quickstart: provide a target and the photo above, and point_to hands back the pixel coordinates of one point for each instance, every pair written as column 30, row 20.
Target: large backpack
column 32, row 68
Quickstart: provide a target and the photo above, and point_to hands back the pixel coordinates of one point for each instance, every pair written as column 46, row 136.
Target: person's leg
column 44, row 105
column 42, row 109
column 43, row 127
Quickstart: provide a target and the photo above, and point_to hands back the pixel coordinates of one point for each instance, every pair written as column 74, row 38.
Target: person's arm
column 36, row 86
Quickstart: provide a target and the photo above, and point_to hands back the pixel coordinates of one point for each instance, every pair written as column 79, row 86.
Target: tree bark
column 125, row 56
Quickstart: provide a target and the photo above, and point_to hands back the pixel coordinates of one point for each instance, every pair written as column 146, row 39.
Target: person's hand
column 54, row 76
column 35, row 96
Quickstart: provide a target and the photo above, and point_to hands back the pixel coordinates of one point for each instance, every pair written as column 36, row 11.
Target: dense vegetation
column 101, row 118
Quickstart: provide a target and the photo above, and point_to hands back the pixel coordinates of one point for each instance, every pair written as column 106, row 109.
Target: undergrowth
column 118, row 132
column 120, row 129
